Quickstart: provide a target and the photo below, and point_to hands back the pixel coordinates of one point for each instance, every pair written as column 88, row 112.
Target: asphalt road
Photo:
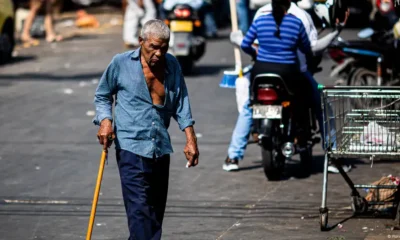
column 49, row 159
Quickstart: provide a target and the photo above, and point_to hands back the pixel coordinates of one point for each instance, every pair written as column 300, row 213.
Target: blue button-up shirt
column 139, row 125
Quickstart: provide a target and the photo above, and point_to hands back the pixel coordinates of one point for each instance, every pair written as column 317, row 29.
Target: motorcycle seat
column 273, row 80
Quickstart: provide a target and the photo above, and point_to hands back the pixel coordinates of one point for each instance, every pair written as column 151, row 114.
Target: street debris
column 340, row 226
column 85, row 20
column 37, row 168
column 236, row 224
column 82, row 83
column 67, row 23
column 90, row 113
column 68, row 91
column 67, row 65
column 95, row 81
column 115, row 22
column 199, row 135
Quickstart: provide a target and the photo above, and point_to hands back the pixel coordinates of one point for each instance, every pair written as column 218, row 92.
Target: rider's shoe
column 230, row 165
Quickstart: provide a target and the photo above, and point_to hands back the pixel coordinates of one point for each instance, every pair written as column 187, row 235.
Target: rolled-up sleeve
column 183, row 113
column 103, row 97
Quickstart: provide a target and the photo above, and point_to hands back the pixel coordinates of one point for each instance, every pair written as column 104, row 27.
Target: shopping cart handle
column 320, row 86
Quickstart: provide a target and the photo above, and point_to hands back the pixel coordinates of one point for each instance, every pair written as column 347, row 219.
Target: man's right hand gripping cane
column 106, row 134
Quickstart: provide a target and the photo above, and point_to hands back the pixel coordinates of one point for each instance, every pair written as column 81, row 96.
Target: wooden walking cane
column 96, row 194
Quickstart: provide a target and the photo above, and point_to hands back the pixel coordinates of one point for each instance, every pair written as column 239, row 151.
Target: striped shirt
column 271, row 48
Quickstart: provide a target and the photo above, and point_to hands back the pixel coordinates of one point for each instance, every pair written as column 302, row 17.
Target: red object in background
column 337, row 55
column 182, row 13
column 385, row 6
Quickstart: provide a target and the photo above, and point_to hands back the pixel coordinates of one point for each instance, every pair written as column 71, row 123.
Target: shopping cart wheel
column 359, row 205
column 323, row 219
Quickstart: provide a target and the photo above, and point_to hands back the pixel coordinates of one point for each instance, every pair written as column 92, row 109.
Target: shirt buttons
column 152, row 139
column 153, row 123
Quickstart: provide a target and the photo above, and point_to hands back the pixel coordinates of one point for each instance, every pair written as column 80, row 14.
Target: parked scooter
column 372, row 61
column 187, row 43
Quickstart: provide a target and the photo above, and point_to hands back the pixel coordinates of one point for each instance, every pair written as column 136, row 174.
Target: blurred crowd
column 216, row 14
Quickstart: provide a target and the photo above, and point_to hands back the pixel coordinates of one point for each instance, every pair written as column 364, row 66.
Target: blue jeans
column 144, row 184
column 242, row 8
column 244, row 123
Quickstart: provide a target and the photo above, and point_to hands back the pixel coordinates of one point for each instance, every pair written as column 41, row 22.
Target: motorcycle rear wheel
column 273, row 163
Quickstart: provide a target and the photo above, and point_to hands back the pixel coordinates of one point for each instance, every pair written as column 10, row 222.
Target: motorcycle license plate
column 181, row 26
column 267, row 111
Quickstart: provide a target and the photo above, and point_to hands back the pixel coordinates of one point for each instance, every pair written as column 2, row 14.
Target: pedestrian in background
column 35, row 6
column 150, row 89
column 137, row 12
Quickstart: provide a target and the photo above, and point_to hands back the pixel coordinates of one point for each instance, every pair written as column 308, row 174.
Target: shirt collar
column 136, row 53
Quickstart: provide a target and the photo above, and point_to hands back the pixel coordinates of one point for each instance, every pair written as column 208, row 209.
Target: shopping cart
column 359, row 122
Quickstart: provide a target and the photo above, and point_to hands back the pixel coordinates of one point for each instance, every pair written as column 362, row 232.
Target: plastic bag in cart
column 375, row 134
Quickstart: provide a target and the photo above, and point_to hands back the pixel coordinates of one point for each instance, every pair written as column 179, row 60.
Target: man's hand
column 339, row 24
column 191, row 151
column 106, row 134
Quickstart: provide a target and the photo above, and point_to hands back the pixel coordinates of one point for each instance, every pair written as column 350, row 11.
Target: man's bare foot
column 54, row 38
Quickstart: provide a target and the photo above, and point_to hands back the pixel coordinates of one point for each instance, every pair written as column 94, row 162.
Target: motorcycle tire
column 306, row 160
column 361, row 77
column 273, row 163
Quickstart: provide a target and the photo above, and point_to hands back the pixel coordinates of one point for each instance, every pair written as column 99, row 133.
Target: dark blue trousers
column 144, row 188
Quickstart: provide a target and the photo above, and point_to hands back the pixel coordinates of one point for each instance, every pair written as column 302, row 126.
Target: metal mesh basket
column 362, row 122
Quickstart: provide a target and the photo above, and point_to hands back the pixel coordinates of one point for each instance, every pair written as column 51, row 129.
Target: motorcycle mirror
column 365, row 33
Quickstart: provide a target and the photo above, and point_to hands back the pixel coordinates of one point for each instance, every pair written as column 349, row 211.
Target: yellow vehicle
column 7, row 40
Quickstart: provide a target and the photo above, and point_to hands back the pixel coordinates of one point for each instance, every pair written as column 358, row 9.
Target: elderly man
column 149, row 89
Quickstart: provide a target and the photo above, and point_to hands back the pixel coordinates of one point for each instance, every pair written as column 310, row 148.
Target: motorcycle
column 371, row 61
column 187, row 43
column 276, row 124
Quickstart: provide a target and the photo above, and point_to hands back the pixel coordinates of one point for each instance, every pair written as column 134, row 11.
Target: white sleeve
column 324, row 42
column 312, row 31
column 305, row 4
column 169, row 4
column 263, row 10
column 196, row 4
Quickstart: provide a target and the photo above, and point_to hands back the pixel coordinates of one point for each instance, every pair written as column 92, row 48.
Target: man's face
column 153, row 50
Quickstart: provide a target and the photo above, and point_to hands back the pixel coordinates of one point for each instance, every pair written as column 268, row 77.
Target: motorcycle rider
column 242, row 129
column 203, row 6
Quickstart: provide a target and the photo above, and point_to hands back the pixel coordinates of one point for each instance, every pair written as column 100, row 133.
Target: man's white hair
column 155, row 28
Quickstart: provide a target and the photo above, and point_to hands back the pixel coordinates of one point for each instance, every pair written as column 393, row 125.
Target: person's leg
column 160, row 189
column 33, row 9
column 239, row 138
column 209, row 21
column 137, row 177
column 131, row 22
column 51, row 35
column 149, row 11
column 243, row 15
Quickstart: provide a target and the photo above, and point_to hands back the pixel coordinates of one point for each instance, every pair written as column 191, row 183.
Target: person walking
column 137, row 12
column 149, row 89
column 34, row 8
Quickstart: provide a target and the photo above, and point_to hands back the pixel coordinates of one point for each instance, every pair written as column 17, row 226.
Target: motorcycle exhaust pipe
column 288, row 150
